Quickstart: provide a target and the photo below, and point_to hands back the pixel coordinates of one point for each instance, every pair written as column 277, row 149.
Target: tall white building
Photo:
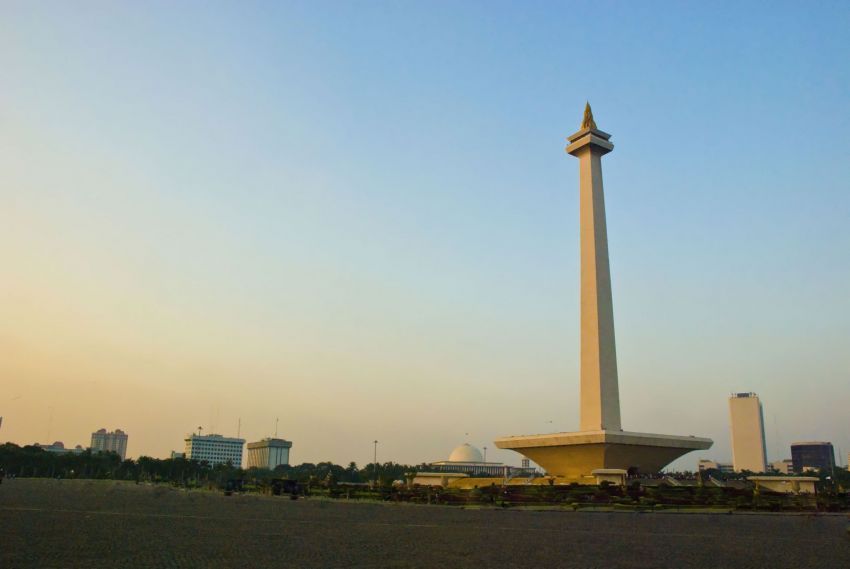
column 746, row 425
column 214, row 449
column 268, row 453
column 116, row 441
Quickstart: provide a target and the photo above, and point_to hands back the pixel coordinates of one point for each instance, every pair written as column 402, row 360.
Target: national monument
column 601, row 443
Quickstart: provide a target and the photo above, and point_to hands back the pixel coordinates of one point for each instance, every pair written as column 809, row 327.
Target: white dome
column 466, row 453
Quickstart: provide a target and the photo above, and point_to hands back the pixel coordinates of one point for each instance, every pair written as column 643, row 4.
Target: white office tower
column 214, row 449
column 115, row 441
column 746, row 425
column 268, row 453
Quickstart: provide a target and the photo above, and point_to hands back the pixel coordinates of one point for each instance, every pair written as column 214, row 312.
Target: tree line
column 32, row 461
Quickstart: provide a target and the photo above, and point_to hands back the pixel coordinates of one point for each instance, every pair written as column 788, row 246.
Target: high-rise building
column 746, row 425
column 268, row 453
column 116, row 441
column 813, row 455
column 214, row 449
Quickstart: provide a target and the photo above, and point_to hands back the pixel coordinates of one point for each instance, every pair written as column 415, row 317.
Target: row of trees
column 837, row 479
column 384, row 473
column 32, row 461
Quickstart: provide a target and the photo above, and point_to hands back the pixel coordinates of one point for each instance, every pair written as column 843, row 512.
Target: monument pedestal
column 577, row 455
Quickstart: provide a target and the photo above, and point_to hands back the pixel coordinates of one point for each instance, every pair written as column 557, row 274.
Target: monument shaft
column 600, row 396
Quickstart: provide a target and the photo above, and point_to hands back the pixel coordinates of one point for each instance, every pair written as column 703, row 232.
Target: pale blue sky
column 359, row 217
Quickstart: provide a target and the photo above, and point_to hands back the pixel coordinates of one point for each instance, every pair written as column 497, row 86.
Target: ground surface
column 48, row 523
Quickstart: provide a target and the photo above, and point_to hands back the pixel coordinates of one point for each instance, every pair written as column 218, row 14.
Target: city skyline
column 363, row 222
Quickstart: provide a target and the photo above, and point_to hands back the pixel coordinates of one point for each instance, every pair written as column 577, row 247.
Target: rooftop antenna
column 200, row 430
column 276, row 419
column 239, row 428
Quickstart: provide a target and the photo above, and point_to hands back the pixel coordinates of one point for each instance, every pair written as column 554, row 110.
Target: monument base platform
column 576, row 455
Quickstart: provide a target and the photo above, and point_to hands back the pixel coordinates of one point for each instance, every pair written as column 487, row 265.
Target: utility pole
column 49, row 424
column 375, row 460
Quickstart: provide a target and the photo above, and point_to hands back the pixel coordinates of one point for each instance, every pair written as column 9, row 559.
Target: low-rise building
column 443, row 479
column 115, row 441
column 467, row 459
column 706, row 464
column 214, row 449
column 59, row 448
column 783, row 466
column 785, row 484
column 268, row 453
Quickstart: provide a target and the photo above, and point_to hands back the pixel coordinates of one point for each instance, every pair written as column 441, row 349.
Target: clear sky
column 359, row 217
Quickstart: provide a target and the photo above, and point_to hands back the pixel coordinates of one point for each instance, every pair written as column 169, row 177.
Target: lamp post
column 375, row 460
column 485, row 454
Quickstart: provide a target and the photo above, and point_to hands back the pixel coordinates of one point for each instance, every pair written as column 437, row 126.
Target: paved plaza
column 92, row 524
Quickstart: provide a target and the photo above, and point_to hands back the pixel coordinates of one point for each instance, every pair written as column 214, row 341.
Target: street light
column 375, row 460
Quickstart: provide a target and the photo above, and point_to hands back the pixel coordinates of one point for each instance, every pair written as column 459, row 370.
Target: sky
column 358, row 217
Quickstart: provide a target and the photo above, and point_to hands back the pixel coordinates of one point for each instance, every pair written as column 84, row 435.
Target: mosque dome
column 466, row 453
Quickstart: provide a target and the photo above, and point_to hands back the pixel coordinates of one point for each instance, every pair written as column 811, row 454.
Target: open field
column 50, row 523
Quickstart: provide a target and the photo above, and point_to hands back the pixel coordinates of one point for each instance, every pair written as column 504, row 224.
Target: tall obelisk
column 600, row 396
column 601, row 443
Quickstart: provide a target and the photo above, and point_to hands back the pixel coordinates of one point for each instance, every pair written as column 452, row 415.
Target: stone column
column 600, row 396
